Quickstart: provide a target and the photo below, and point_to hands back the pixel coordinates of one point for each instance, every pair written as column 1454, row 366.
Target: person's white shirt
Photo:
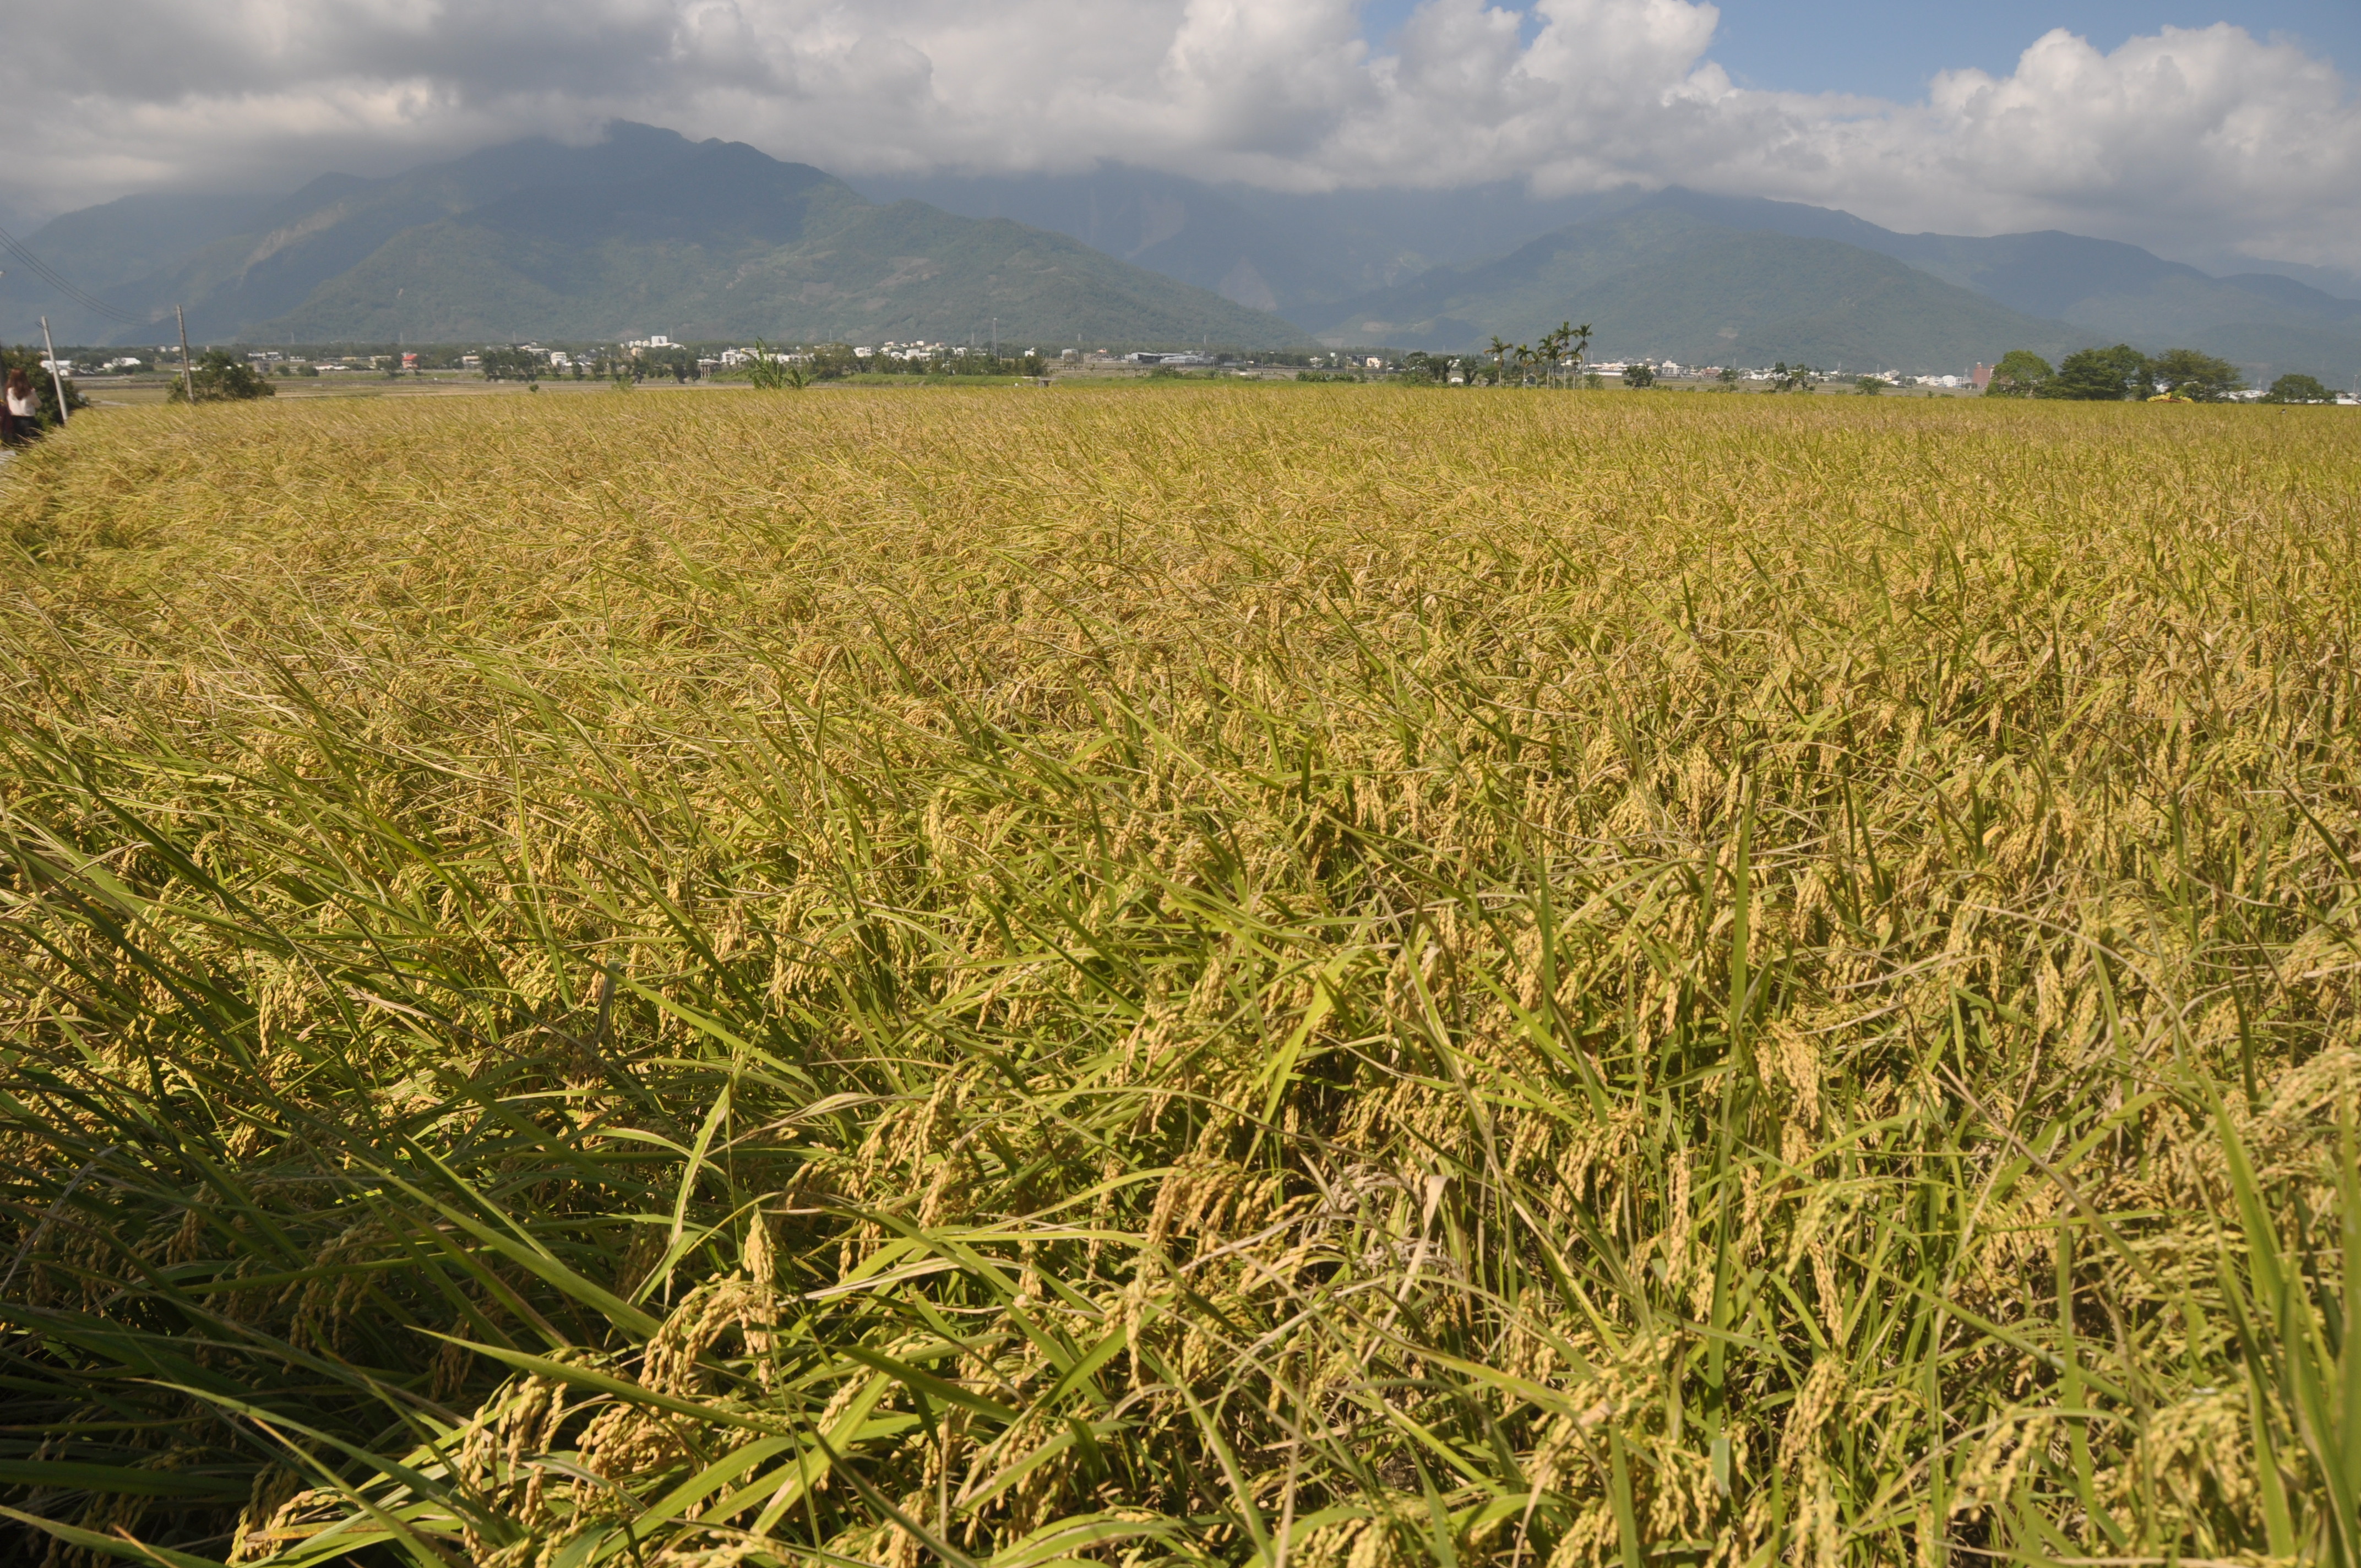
column 24, row 405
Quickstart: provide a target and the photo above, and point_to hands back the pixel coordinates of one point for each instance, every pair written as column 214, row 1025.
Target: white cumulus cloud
column 2192, row 139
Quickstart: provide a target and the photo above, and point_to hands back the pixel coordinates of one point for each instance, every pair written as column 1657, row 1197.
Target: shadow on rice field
column 1261, row 977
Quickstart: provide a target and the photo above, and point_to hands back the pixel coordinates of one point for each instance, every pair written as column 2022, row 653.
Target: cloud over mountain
column 2192, row 139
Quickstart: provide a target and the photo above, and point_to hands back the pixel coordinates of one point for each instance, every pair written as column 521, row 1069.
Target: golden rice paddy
column 1284, row 977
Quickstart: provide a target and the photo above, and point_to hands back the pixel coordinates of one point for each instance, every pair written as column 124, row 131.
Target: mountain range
column 1448, row 269
column 645, row 231
column 641, row 232
column 1272, row 250
column 1660, row 281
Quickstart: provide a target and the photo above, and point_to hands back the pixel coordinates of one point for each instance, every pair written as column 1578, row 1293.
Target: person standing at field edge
column 24, row 410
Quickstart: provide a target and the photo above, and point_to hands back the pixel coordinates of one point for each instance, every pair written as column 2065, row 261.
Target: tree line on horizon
column 2122, row 374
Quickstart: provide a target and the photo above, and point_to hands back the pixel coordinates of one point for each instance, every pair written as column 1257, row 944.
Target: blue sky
column 1890, row 47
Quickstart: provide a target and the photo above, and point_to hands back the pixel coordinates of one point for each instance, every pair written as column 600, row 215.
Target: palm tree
column 1553, row 348
column 1577, row 339
column 1498, row 350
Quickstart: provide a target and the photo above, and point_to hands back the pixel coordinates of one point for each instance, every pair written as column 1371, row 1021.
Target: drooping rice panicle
column 1304, row 978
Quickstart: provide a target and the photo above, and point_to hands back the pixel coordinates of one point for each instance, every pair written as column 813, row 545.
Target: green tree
column 1728, row 377
column 511, row 365
column 1639, row 375
column 1574, row 341
column 1786, row 378
column 1419, row 367
column 2020, row 373
column 831, row 361
column 1562, row 351
column 222, row 377
column 2296, row 387
column 1546, row 356
column 680, row 364
column 2102, row 376
column 2199, row 378
column 1870, row 386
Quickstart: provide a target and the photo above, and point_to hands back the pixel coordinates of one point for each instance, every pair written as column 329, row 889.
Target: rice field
column 1284, row 978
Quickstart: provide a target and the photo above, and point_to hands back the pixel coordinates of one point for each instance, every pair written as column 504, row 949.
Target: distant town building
column 1982, row 376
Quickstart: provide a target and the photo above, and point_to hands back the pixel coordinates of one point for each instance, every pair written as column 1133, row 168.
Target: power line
column 42, row 271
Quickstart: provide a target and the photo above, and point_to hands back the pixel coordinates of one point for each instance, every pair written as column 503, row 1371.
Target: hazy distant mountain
column 2343, row 282
column 236, row 287
column 2267, row 351
column 1324, row 258
column 1168, row 225
column 731, row 244
column 1663, row 283
column 1265, row 250
column 646, row 232
column 101, row 249
column 247, row 260
column 2268, row 323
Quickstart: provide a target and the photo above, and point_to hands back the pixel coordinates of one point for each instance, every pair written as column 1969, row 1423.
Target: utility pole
column 55, row 380
column 996, row 337
column 187, row 378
